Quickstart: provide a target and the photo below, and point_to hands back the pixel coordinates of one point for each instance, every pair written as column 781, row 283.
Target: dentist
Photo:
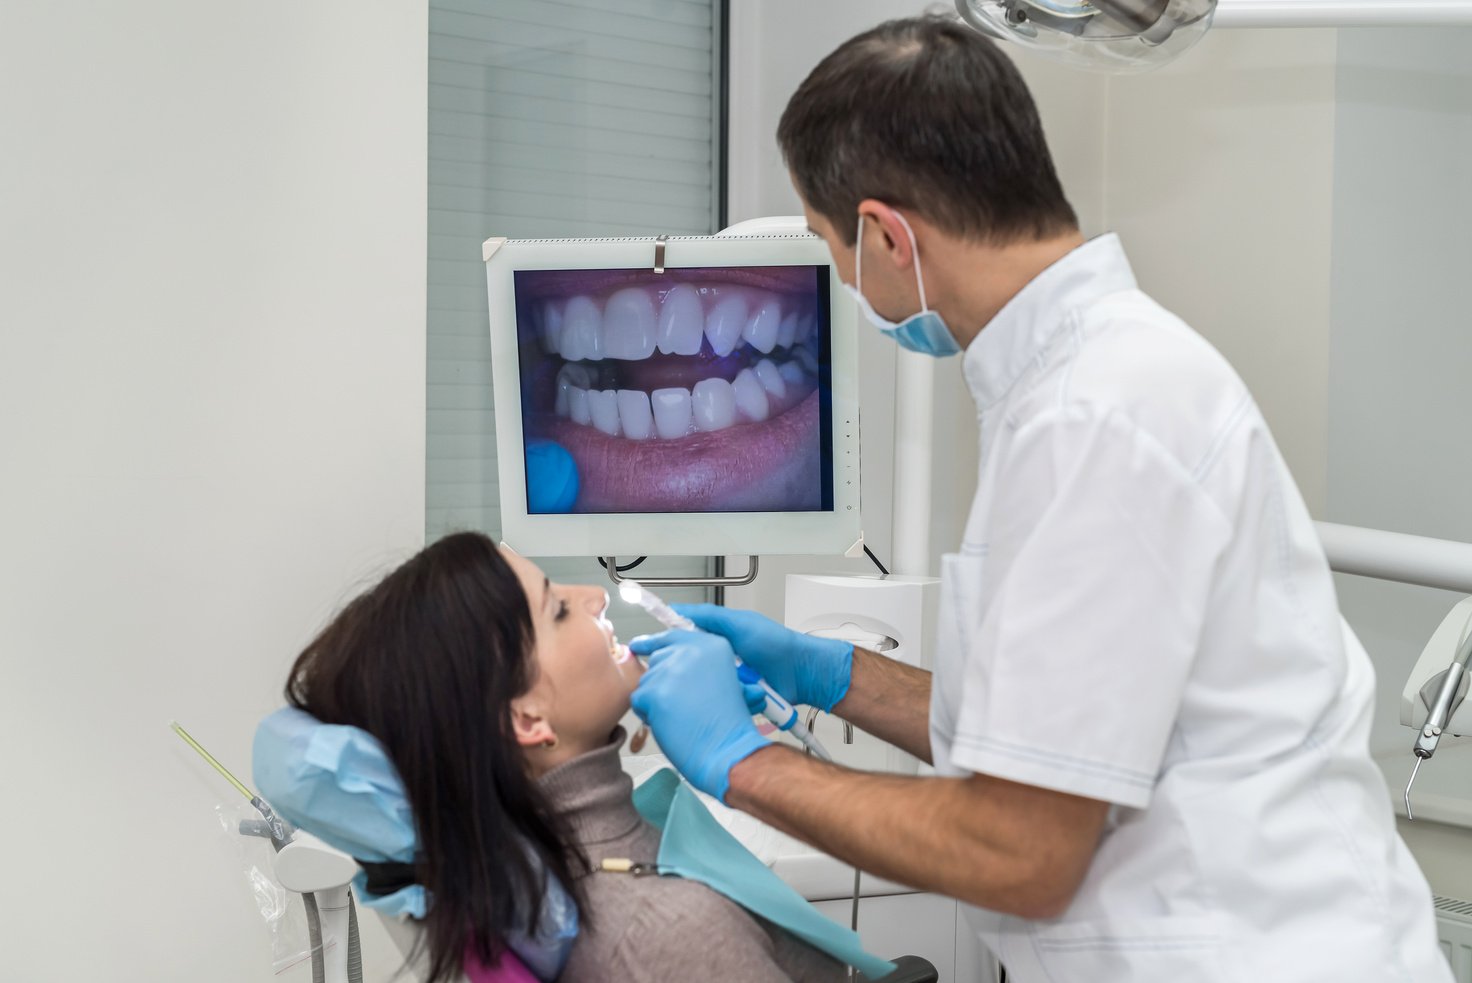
column 1147, row 719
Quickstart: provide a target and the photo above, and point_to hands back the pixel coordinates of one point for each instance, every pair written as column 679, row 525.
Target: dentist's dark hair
column 927, row 114
column 428, row 662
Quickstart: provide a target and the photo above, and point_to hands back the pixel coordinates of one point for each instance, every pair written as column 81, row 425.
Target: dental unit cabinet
column 891, row 615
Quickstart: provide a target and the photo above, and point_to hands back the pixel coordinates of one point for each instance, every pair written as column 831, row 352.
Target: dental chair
column 323, row 874
column 315, row 870
column 339, row 782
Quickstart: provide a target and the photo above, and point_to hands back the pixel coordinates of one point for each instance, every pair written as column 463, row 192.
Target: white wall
column 1402, row 352
column 1300, row 196
column 212, row 310
column 1218, row 174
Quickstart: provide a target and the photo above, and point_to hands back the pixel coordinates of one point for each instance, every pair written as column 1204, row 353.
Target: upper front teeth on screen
column 671, row 413
column 681, row 322
column 633, row 322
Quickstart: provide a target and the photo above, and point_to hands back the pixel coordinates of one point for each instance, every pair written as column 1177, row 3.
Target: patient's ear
column 531, row 726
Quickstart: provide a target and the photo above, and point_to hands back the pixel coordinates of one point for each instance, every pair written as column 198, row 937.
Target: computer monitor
column 690, row 396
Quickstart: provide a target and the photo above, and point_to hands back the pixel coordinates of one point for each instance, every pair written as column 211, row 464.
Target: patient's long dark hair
column 428, row 662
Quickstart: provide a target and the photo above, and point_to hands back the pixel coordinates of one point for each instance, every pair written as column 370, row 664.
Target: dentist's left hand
column 698, row 710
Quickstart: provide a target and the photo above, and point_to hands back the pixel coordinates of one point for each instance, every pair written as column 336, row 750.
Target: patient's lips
column 680, row 392
column 752, row 467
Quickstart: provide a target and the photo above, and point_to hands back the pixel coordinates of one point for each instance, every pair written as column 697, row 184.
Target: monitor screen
column 693, row 390
column 679, row 395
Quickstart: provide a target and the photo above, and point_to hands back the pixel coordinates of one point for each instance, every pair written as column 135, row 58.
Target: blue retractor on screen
column 551, row 478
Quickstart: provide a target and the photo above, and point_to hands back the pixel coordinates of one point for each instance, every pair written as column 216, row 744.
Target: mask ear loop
column 859, row 258
column 914, row 251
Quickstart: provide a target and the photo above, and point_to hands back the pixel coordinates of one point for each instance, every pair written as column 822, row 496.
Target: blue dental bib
column 698, row 848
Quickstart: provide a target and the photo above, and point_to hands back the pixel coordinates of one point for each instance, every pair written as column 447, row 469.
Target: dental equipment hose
column 781, row 713
column 280, row 836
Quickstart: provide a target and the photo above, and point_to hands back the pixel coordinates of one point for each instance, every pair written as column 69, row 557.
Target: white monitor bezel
column 670, row 533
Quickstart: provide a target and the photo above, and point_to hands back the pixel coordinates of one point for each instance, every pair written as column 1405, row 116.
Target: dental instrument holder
column 890, row 614
column 321, row 875
column 304, row 864
column 717, row 582
column 1440, row 688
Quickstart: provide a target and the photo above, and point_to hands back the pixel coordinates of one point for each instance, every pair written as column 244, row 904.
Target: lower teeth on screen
column 759, row 392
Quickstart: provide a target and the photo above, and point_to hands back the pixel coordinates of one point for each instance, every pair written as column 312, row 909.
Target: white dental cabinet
column 893, row 920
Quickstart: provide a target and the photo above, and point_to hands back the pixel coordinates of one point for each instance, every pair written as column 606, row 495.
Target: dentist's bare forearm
column 1009, row 847
column 889, row 700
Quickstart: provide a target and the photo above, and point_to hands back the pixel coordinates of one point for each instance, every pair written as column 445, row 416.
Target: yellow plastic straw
column 174, row 725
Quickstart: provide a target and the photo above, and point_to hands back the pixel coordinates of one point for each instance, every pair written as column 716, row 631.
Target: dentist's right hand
column 804, row 669
column 696, row 706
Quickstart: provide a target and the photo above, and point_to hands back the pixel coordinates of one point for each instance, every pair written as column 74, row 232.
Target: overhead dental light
column 1132, row 36
column 1117, row 36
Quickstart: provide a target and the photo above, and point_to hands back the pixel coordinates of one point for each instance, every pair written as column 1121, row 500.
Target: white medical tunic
column 1141, row 613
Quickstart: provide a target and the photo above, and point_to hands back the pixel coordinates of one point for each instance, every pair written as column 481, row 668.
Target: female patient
column 497, row 694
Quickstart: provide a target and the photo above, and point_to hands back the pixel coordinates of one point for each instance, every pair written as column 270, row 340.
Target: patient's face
column 583, row 688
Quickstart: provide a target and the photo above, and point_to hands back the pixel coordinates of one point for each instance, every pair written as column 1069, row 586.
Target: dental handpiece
column 1439, row 714
column 781, row 713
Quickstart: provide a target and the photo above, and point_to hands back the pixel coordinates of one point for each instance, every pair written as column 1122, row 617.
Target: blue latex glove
column 698, row 710
column 812, row 671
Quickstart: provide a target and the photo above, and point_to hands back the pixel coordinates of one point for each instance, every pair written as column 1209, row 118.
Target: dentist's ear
column 532, row 728
column 894, row 236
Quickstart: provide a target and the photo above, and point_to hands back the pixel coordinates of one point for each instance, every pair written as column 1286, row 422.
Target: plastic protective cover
column 282, row 912
column 1113, row 36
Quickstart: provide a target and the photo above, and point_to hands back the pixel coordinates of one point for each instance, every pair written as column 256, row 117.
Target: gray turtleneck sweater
column 657, row 929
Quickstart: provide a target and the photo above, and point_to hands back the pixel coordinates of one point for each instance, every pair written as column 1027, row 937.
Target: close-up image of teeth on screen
column 692, row 390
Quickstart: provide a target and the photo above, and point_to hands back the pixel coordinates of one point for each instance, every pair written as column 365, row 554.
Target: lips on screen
column 695, row 390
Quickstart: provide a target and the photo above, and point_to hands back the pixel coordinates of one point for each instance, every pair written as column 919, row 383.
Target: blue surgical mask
column 925, row 332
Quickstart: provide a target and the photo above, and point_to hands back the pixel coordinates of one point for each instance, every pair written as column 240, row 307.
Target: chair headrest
column 337, row 783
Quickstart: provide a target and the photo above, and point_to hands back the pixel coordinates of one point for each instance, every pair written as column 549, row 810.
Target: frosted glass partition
column 1400, row 380
column 573, row 118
